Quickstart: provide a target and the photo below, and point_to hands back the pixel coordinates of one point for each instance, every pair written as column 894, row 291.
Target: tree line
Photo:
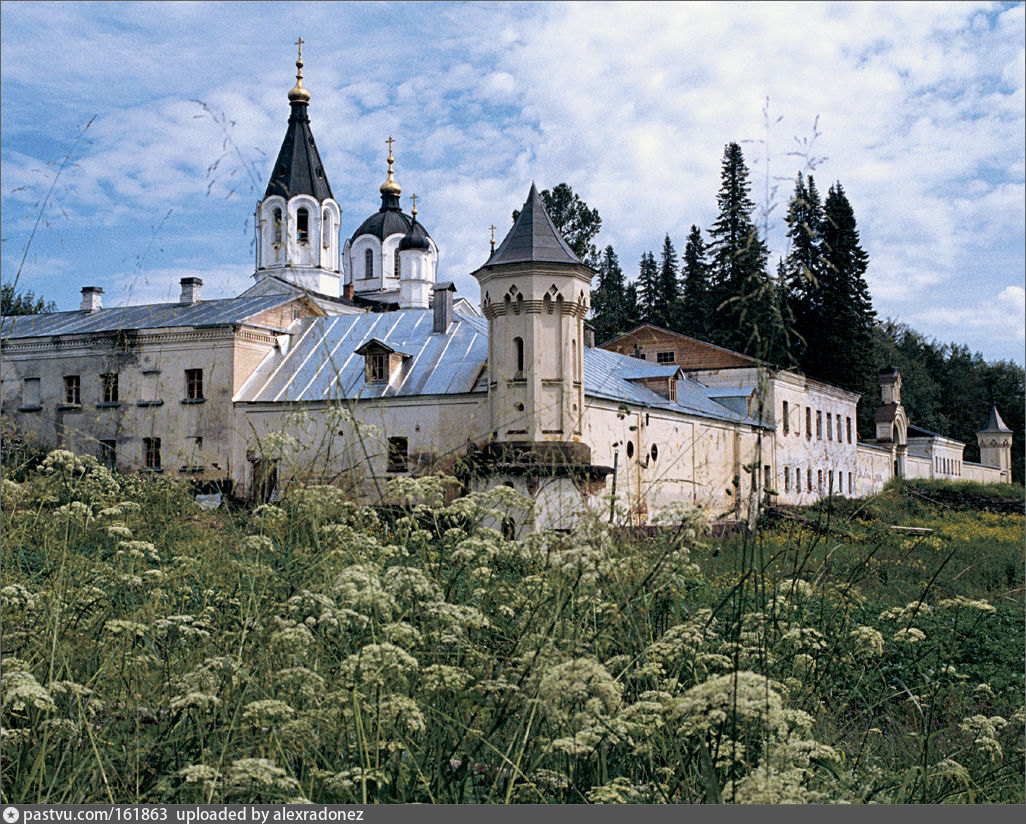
column 813, row 313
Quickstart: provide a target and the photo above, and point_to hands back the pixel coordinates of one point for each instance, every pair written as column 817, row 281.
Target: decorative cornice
column 62, row 343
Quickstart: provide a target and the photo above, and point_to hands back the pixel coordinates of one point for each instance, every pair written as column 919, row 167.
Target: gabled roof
column 148, row 316
column 298, row 169
column 994, row 422
column 533, row 238
column 736, row 358
column 375, row 344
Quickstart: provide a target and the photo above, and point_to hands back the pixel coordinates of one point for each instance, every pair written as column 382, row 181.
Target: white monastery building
column 351, row 363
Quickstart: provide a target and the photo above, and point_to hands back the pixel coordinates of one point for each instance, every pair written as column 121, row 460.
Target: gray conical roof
column 994, row 422
column 533, row 238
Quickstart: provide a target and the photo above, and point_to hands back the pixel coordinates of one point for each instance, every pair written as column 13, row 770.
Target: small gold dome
column 299, row 94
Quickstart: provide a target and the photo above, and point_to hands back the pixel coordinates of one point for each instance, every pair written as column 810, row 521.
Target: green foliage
column 694, row 314
column 13, row 302
column 667, row 294
column 613, row 304
column 319, row 650
column 647, row 287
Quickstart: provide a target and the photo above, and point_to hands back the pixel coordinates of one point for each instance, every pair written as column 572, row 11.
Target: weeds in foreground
column 317, row 650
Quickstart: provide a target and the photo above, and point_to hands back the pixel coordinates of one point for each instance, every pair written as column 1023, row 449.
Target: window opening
column 378, row 366
column 395, row 264
column 819, row 425
column 518, row 357
column 787, row 479
column 151, row 453
column 194, row 384
column 787, row 420
column 326, row 228
column 848, row 426
column 72, row 389
column 666, row 357
column 830, row 427
column 110, row 387
column 398, row 454
column 630, row 449
column 368, row 264
column 302, row 226
column 808, row 426
column 277, row 225
column 655, row 453
column 108, row 453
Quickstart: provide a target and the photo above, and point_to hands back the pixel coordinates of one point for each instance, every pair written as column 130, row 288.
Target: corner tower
column 297, row 222
column 995, row 440
column 535, row 293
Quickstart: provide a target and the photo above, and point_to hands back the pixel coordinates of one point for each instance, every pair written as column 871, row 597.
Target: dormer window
column 277, row 225
column 381, row 362
column 303, row 226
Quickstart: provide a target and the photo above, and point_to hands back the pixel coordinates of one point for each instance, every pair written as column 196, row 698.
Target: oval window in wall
column 630, row 449
column 655, row 453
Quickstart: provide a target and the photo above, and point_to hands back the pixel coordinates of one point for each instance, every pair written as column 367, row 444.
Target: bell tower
column 535, row 293
column 297, row 222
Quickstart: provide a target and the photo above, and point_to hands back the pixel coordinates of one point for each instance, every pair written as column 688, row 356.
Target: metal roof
column 298, row 169
column 322, row 363
column 533, row 238
column 994, row 422
column 148, row 316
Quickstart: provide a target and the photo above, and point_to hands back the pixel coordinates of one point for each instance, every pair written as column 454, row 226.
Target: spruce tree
column 693, row 315
column 743, row 294
column 839, row 345
column 803, row 266
column 612, row 310
column 648, row 287
column 667, row 288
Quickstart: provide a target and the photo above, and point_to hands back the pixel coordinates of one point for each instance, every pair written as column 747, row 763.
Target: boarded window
column 398, row 454
column 149, row 389
column 151, row 453
column 110, row 387
column 30, row 393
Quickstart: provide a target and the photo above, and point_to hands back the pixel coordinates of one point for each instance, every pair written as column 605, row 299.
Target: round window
column 630, row 449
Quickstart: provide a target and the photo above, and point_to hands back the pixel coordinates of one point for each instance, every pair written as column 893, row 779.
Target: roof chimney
column 443, row 307
column 190, row 291
column 92, row 299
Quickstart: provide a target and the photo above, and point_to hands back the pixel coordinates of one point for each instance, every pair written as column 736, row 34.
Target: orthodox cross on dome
column 300, row 43
column 492, row 227
column 414, row 198
column 299, row 93
column 390, row 187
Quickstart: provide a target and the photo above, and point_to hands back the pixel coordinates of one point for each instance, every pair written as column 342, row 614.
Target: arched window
column 277, row 225
column 518, row 356
column 368, row 263
column 302, row 226
column 326, row 230
column 395, row 263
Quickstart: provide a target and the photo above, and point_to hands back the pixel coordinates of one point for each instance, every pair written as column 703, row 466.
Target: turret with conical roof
column 535, row 293
column 995, row 440
column 298, row 219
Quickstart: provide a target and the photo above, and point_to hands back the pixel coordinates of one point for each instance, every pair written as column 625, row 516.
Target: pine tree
column 667, row 288
column 693, row 315
column 804, row 265
column 839, row 333
column 743, row 294
column 610, row 301
column 647, row 287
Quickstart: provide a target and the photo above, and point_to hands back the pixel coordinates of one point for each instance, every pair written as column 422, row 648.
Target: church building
column 350, row 362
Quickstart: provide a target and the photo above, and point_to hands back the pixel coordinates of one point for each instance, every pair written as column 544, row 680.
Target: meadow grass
column 320, row 650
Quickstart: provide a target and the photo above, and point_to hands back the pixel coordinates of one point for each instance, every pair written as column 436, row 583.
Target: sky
column 136, row 139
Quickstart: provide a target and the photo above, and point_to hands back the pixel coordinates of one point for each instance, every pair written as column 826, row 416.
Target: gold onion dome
column 299, row 94
column 390, row 186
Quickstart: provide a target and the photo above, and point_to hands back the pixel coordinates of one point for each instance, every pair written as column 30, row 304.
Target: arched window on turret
column 368, row 264
column 302, row 226
column 326, row 229
column 277, row 225
column 395, row 263
column 518, row 357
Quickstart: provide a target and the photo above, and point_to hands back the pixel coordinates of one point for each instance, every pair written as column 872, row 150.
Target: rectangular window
column 397, row 454
column 797, row 480
column 30, row 393
column 848, row 426
column 851, row 485
column 819, row 479
column 109, row 387
column 767, row 478
column 666, row 357
column 377, row 367
column 672, row 394
column 830, row 482
column 830, row 427
column 819, row 425
column 786, row 419
column 149, row 389
column 108, row 454
column 72, row 390
column 194, row 384
column 808, row 425
column 787, row 479
column 151, row 453
column 808, row 480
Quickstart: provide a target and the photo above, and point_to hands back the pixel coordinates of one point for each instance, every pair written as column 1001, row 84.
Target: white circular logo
column 11, row 814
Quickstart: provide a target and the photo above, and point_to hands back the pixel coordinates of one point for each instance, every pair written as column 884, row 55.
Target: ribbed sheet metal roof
column 148, row 316
column 321, row 363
